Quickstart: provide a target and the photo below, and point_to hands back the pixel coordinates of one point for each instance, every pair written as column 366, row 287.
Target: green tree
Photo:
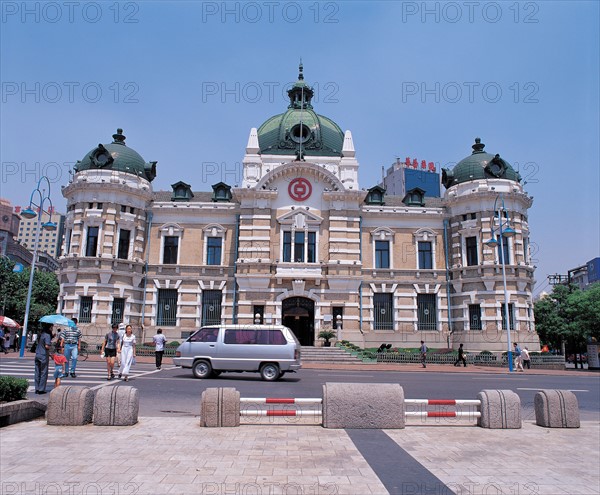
column 13, row 293
column 569, row 315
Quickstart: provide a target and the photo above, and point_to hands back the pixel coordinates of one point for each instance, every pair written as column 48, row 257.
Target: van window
column 240, row 336
column 205, row 335
column 249, row 336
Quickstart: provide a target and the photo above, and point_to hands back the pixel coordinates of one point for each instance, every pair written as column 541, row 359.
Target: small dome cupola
column 300, row 94
column 119, row 157
column 479, row 165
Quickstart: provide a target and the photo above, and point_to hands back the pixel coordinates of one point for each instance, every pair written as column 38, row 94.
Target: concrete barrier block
column 116, row 406
column 230, row 407
column 500, row 410
column 70, row 406
column 210, row 408
column 363, row 405
column 556, row 409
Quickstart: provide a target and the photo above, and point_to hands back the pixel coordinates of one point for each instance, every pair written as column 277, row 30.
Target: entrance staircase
column 329, row 355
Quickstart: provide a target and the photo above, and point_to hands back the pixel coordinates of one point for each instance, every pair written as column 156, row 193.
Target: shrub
column 174, row 343
column 12, row 388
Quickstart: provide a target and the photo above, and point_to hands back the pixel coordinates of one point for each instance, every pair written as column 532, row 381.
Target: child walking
column 59, row 363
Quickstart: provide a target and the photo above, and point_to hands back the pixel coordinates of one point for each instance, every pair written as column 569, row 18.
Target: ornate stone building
column 298, row 243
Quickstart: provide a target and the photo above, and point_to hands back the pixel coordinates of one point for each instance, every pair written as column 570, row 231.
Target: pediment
column 292, row 170
column 291, row 217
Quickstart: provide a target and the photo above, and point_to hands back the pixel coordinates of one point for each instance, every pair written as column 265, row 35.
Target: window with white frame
column 91, row 242
column 170, row 242
column 382, row 247
column 299, row 237
column 471, row 251
column 214, row 241
column 425, row 248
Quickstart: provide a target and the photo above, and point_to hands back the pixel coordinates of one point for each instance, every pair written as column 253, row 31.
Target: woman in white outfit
column 127, row 352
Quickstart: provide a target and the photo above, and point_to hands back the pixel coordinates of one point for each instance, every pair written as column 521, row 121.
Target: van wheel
column 269, row 372
column 202, row 369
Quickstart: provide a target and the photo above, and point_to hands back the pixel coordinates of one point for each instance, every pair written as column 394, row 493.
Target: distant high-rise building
column 50, row 242
column 403, row 177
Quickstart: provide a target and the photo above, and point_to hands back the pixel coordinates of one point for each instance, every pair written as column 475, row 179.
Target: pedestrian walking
column 518, row 357
column 121, row 333
column 59, row 362
column 110, row 347
column 461, row 357
column 3, row 341
column 15, row 344
column 127, row 353
column 159, row 342
column 42, row 357
column 526, row 358
column 423, row 351
column 72, row 342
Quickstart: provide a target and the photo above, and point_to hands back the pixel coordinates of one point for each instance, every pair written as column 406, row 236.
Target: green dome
column 117, row 156
column 479, row 165
column 300, row 128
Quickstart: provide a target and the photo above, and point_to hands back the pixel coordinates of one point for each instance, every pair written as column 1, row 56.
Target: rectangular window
column 511, row 315
column 503, row 253
column 123, row 251
column 382, row 254
column 426, row 312
column 475, row 317
column 258, row 314
column 213, row 251
column 68, row 239
column 425, row 255
column 118, row 308
column 211, row 307
column 85, row 309
column 287, row 246
column 299, row 247
column 91, row 245
column 170, row 250
column 471, row 245
column 167, row 307
column 311, row 256
column 383, row 311
column 525, row 249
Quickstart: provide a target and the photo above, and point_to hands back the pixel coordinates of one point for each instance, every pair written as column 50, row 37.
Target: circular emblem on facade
column 300, row 189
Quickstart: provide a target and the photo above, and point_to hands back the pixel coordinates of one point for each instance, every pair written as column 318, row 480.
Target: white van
column 271, row 350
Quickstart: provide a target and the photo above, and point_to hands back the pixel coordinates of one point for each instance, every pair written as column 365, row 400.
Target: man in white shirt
column 159, row 341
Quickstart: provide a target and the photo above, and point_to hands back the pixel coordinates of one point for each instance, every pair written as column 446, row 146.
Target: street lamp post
column 504, row 232
column 30, row 213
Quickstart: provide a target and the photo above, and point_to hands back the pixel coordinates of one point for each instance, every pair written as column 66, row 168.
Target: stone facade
column 299, row 243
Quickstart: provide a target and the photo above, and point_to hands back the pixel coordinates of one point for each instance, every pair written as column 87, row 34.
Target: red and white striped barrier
column 281, row 412
column 444, row 402
column 442, row 414
column 272, row 400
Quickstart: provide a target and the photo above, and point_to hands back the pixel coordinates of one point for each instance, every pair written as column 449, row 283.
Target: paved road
column 174, row 391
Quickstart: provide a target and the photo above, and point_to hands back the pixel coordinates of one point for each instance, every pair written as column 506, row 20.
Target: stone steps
column 327, row 355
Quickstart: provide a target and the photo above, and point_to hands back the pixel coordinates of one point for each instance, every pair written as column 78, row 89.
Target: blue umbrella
column 57, row 320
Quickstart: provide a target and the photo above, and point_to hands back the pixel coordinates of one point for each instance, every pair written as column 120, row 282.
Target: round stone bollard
column 116, row 406
column 556, row 409
column 500, row 410
column 220, row 407
column 363, row 405
column 70, row 406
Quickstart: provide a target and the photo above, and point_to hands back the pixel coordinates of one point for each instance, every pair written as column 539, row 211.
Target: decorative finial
column 300, row 71
column 119, row 138
column 478, row 146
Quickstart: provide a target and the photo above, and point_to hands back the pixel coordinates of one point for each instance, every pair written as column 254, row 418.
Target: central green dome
column 300, row 130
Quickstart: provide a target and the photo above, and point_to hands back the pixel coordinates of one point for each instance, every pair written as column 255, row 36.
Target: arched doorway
column 298, row 314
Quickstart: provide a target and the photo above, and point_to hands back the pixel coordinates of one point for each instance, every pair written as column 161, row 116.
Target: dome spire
column 119, row 137
column 478, row 146
column 300, row 94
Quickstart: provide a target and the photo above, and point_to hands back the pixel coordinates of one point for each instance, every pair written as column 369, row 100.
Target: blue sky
column 187, row 80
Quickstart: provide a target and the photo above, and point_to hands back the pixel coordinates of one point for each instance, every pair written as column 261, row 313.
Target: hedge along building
column 298, row 243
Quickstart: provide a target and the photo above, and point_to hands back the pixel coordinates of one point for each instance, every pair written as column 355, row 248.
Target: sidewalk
column 158, row 456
